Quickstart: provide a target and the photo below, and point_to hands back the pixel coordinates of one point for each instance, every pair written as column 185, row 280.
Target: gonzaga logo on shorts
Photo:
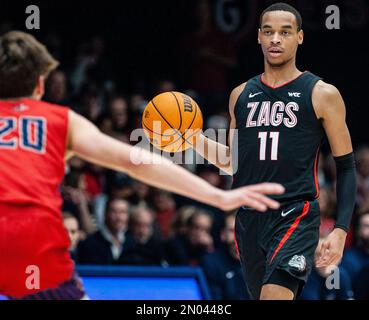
column 298, row 262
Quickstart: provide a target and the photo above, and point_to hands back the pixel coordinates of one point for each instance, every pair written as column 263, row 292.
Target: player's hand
column 253, row 196
column 330, row 249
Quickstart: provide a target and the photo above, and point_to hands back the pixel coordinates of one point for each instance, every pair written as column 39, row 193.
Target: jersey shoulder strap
column 252, row 84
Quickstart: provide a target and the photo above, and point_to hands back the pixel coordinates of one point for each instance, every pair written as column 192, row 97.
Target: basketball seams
column 159, row 134
column 162, row 135
column 193, row 119
column 177, row 132
column 156, row 108
column 179, row 110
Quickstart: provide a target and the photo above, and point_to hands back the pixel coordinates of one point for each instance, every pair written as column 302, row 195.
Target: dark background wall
column 142, row 39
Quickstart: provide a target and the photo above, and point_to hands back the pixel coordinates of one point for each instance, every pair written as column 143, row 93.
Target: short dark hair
column 197, row 213
column 68, row 215
column 22, row 61
column 110, row 201
column 281, row 6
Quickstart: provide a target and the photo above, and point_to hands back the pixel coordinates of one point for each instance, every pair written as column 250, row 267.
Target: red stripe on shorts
column 291, row 229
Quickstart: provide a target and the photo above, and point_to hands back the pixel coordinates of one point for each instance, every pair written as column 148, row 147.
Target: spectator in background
column 361, row 287
column 89, row 102
column 330, row 170
column 206, row 57
column 109, row 244
column 56, row 88
column 148, row 248
column 327, row 207
column 141, row 192
column 137, row 105
column 322, row 179
column 179, row 224
column 94, row 179
column 119, row 185
column 72, row 226
column 91, row 65
column 105, row 124
column 76, row 200
column 362, row 160
column 165, row 207
column 118, row 113
column 355, row 259
column 327, row 202
column 362, row 165
column 223, row 269
column 189, row 248
column 210, row 173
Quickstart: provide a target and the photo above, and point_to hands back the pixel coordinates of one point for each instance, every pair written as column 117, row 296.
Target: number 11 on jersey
column 263, row 136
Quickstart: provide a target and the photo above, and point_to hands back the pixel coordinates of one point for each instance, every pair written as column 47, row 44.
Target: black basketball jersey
column 278, row 137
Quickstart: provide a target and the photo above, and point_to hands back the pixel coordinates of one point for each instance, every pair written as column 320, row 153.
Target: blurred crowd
column 113, row 219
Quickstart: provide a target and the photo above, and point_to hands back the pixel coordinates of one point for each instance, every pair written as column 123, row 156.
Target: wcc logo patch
column 294, row 94
column 298, row 262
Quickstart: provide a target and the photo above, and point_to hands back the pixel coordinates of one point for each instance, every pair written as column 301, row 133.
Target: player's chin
column 276, row 63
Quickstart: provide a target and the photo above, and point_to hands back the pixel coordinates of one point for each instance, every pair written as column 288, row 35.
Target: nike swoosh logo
column 283, row 214
column 251, row 95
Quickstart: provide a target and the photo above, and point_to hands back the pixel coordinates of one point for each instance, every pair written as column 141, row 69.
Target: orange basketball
column 171, row 121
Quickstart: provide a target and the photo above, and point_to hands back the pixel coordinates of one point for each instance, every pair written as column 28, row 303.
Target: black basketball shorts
column 283, row 239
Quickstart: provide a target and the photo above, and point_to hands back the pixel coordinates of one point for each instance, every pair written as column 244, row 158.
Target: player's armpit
column 235, row 94
column 330, row 108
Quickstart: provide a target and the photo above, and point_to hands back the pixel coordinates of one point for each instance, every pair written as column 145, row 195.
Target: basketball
column 171, row 121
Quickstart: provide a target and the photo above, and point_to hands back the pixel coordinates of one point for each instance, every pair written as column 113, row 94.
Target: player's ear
column 40, row 88
column 300, row 37
column 259, row 35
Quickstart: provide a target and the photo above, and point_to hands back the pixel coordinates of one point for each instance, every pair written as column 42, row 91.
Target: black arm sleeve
column 346, row 190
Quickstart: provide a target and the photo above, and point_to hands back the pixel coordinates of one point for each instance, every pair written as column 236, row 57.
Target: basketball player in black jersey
column 282, row 117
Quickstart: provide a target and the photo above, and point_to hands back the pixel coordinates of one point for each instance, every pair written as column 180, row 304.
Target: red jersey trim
column 316, row 180
column 291, row 229
column 280, row 86
column 236, row 243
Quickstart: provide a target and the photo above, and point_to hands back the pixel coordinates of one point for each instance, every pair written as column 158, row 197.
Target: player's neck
column 276, row 76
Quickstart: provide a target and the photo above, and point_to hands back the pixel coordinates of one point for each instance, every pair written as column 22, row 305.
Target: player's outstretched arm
column 330, row 108
column 87, row 142
column 216, row 153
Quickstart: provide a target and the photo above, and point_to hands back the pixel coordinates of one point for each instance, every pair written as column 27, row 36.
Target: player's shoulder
column 326, row 99
column 324, row 90
column 236, row 92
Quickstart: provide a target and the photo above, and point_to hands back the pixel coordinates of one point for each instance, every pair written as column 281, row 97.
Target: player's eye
column 267, row 32
column 285, row 33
